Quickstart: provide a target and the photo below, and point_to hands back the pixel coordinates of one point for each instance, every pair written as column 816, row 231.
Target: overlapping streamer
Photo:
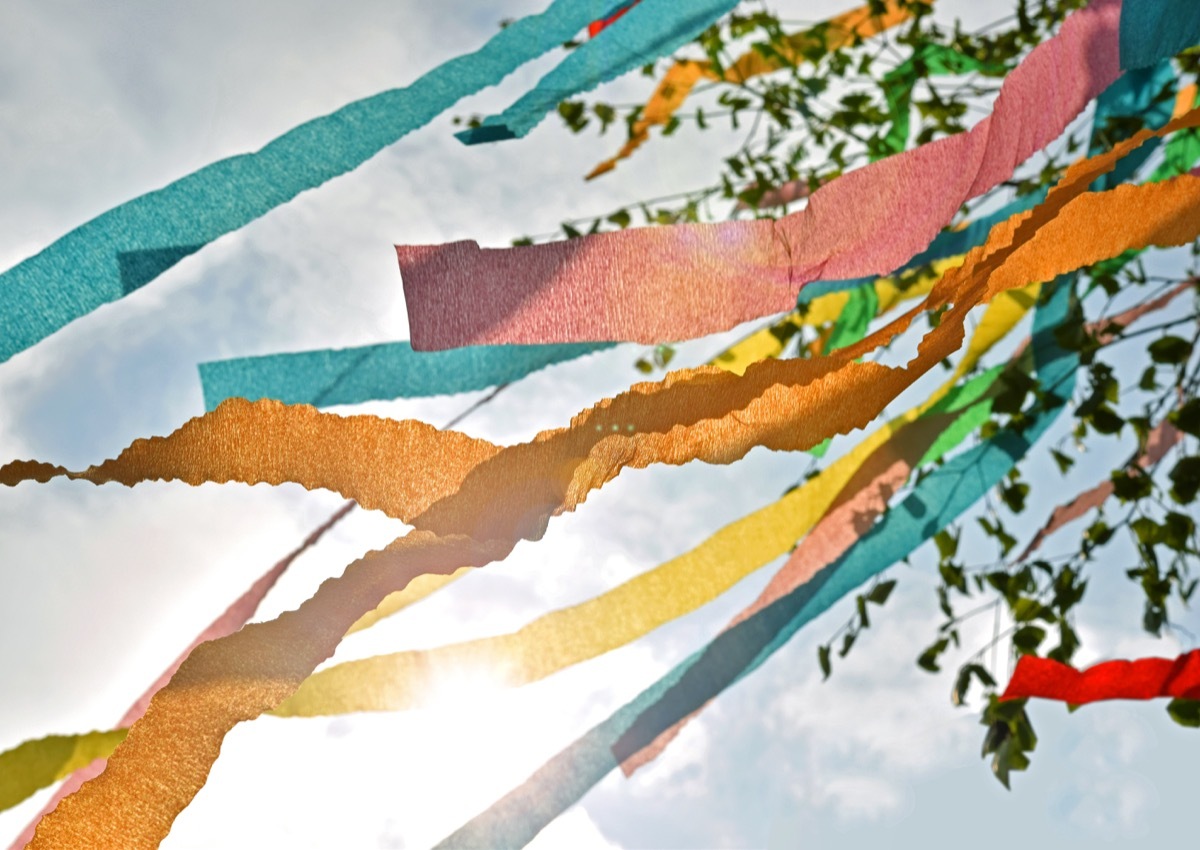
column 595, row 27
column 700, row 414
column 644, row 32
column 1160, row 441
column 1144, row 678
column 838, row 32
column 656, row 284
column 890, row 468
column 78, row 758
column 376, row 372
column 515, row 819
column 128, row 246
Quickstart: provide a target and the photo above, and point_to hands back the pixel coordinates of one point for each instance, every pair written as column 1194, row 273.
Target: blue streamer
column 1154, row 29
column 647, row 31
column 387, row 371
column 125, row 248
column 936, row 501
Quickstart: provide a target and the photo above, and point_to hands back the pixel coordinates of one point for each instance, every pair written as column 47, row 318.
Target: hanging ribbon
column 1145, row 678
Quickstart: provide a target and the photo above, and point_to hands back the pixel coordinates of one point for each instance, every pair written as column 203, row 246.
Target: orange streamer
column 488, row 498
column 841, row 31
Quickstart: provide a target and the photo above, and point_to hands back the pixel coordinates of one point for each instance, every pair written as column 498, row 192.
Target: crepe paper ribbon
column 570, row 636
column 886, row 471
column 836, row 533
column 840, row 31
column 646, row 31
column 376, row 372
column 1144, row 679
column 687, row 280
column 701, row 414
column 78, row 758
column 928, row 60
column 1161, row 440
column 122, row 250
column 1151, row 29
column 515, row 819
column 889, row 292
column 849, row 327
column 595, row 27
column 1134, row 93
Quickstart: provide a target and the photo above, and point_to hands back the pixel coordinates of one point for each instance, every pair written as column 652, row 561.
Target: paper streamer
column 595, row 27
column 569, row 636
column 514, row 820
column 838, row 32
column 890, row 468
column 656, row 284
column 31, row 766
column 888, row 292
column 643, row 33
column 125, row 248
column 1151, row 29
column 376, row 372
column 1145, row 678
column 702, row 414
column 1160, row 441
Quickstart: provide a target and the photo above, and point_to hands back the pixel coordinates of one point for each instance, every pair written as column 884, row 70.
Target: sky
column 102, row 586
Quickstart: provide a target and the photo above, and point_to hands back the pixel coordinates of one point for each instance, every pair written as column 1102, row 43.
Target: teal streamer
column 125, row 248
column 651, row 29
column 936, row 500
column 377, row 372
column 1152, row 29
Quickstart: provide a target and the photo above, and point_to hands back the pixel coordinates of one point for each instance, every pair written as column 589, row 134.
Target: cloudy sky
column 103, row 586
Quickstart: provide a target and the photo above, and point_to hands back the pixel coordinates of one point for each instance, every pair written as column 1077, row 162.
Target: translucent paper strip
column 376, row 372
column 675, row 86
column 515, row 819
column 125, row 248
column 85, row 755
column 704, row 414
column 684, row 281
column 1145, row 678
column 1160, row 441
column 769, row 342
column 646, row 31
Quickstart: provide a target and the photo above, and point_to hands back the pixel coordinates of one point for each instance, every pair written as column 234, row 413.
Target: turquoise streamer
column 128, row 246
column 1152, row 29
column 647, row 31
column 387, row 371
column 937, row 500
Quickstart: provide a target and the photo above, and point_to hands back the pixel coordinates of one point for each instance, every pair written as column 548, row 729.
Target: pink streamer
column 235, row 616
column 671, row 283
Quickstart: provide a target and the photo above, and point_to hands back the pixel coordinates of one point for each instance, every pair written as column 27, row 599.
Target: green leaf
column 847, row 642
column 1130, row 485
column 879, row 593
column 823, row 660
column 1185, row 712
column 947, row 544
column 1064, row 462
column 1187, row 418
column 1027, row 639
column 1185, row 479
column 1171, row 350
